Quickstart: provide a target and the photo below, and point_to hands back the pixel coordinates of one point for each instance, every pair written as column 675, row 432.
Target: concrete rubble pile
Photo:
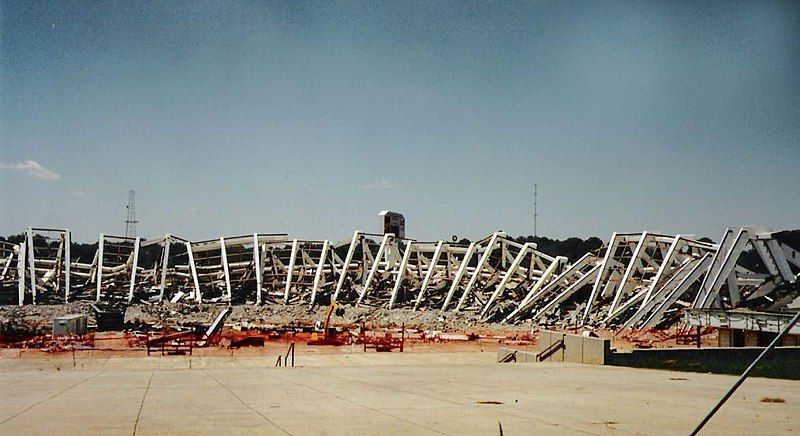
column 636, row 281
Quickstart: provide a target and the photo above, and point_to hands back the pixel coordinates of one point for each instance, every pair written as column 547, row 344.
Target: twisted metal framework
column 638, row 280
column 728, row 284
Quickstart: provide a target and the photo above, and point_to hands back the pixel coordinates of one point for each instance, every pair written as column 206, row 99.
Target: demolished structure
column 635, row 281
column 750, row 308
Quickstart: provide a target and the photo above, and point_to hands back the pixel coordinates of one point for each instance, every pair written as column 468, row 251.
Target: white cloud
column 79, row 194
column 33, row 169
column 383, row 184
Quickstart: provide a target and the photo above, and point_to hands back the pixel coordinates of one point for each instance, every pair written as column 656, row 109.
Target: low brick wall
column 782, row 362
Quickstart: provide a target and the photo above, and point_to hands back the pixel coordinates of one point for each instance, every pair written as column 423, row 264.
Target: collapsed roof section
column 638, row 280
column 727, row 284
column 634, row 268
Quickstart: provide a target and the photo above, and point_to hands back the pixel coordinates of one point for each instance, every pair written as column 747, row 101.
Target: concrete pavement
column 407, row 393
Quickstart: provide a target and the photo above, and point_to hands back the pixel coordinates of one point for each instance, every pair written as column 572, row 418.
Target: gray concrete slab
column 595, row 350
column 435, row 394
column 573, row 348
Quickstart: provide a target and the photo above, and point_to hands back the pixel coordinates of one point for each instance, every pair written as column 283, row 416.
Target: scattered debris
column 772, row 400
column 385, row 342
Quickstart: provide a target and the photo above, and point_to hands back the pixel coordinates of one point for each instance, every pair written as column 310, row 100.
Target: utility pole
column 535, row 207
column 130, row 221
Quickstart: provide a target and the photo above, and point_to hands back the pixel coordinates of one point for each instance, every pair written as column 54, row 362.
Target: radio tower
column 535, row 208
column 130, row 222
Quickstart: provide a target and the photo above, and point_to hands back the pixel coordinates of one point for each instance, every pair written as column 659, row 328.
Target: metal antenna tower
column 130, row 222
column 535, row 208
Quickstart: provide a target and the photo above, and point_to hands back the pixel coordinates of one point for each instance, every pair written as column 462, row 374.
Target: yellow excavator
column 329, row 336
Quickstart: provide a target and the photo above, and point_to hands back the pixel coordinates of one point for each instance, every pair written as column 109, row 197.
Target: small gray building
column 70, row 325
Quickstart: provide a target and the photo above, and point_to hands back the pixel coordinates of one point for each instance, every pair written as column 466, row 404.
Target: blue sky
column 311, row 117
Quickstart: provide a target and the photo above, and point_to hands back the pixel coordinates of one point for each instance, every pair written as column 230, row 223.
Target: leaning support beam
column 429, row 275
column 523, row 252
column 99, row 276
column 761, row 247
column 623, row 307
column 67, row 263
column 459, row 274
column 663, row 292
column 32, row 264
column 375, row 264
column 257, row 266
column 8, row 262
column 712, row 284
column 289, row 272
column 545, row 279
column 134, row 263
column 666, row 265
column 400, row 273
column 734, row 294
column 164, row 266
column 225, row 268
column 792, row 255
column 320, row 270
column 780, row 260
column 694, row 275
column 598, row 282
column 23, row 247
column 723, row 248
column 193, row 268
column 346, row 266
column 566, row 293
column 632, row 264
column 477, row 274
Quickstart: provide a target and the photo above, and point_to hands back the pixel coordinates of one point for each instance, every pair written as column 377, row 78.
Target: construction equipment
column 329, row 335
